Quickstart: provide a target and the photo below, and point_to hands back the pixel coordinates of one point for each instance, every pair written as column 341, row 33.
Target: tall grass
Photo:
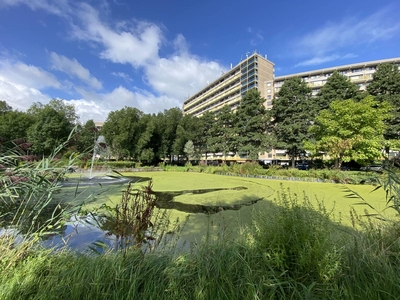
column 27, row 192
column 293, row 251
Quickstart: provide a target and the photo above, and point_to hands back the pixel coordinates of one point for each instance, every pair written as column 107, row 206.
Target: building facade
column 253, row 72
column 257, row 72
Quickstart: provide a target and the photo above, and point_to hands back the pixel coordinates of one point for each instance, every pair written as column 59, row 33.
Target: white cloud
column 59, row 7
column 317, row 60
column 21, row 84
column 27, row 75
column 321, row 43
column 74, row 69
column 96, row 106
column 181, row 74
column 135, row 43
column 122, row 75
column 256, row 36
column 170, row 78
column 19, row 96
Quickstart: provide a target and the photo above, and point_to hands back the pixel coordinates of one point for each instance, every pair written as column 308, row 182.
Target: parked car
column 303, row 166
column 373, row 168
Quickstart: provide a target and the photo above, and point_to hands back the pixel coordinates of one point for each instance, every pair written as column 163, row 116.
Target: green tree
column 251, row 125
column 291, row 116
column 385, row 81
column 15, row 124
column 85, row 139
column 351, row 130
column 122, row 131
column 223, row 136
column 167, row 124
column 188, row 129
column 67, row 110
column 50, row 130
column 337, row 87
column 189, row 150
column 205, row 142
column 4, row 107
column 148, row 142
column 385, row 86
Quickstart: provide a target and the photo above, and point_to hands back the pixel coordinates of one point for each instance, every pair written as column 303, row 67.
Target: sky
column 103, row 55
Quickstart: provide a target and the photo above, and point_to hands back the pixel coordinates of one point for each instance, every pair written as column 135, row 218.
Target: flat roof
column 343, row 67
column 226, row 74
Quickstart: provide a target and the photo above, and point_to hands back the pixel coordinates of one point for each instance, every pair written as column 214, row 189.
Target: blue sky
column 103, row 55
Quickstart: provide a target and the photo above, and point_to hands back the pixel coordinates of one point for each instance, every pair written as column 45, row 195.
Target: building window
column 269, row 103
column 269, row 97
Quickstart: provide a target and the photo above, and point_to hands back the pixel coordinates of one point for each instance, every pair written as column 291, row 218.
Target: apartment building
column 257, row 72
column 359, row 73
column 253, row 72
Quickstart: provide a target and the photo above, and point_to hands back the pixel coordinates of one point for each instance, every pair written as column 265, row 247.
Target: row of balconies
column 208, row 105
column 212, row 93
column 212, row 86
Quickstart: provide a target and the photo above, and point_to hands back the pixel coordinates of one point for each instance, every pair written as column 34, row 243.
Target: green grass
column 291, row 251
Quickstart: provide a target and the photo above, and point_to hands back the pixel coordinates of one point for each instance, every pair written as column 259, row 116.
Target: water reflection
column 101, row 180
column 90, row 233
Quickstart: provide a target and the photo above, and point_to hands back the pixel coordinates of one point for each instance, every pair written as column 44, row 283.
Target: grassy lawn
column 234, row 190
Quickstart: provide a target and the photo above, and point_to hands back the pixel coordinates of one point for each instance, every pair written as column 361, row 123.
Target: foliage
column 27, row 193
column 351, row 130
column 53, row 123
column 337, row 87
column 168, row 123
column 136, row 222
column 385, row 86
column 385, row 81
column 223, row 132
column 205, row 141
column 4, row 107
column 292, row 251
column 15, row 125
column 291, row 116
column 251, row 125
column 121, row 131
column 188, row 129
column 189, row 149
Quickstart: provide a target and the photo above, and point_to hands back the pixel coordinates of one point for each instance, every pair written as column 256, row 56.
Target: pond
column 92, row 233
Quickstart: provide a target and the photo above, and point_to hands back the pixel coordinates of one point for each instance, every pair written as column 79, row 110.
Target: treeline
column 341, row 121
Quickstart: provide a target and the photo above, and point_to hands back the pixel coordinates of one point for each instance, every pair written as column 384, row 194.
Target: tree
column 251, row 125
column 85, row 138
column 122, row 131
column 148, row 143
column 50, row 130
column 189, row 150
column 385, row 81
column 385, row 86
column 167, row 124
column 351, row 130
column 204, row 143
column 15, row 124
column 223, row 137
column 4, row 107
column 337, row 87
column 291, row 116
column 186, row 130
